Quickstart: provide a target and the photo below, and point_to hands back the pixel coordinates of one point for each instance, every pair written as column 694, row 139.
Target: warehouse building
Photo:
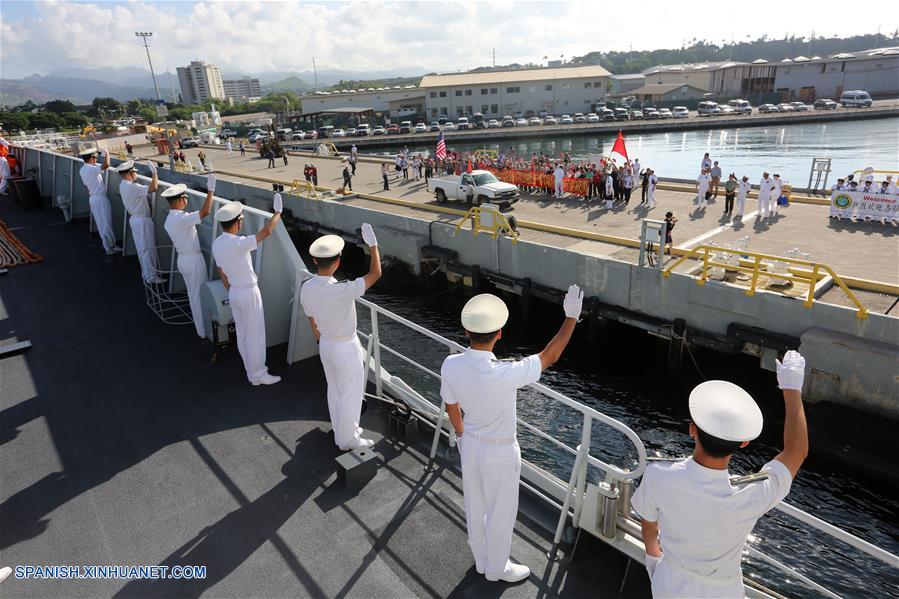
column 395, row 101
column 555, row 90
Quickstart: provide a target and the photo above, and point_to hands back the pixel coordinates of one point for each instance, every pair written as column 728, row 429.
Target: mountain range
column 81, row 84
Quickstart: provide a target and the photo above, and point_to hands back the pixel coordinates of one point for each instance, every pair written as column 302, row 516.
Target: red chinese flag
column 619, row 147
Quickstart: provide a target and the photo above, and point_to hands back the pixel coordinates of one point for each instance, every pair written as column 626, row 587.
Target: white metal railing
column 575, row 489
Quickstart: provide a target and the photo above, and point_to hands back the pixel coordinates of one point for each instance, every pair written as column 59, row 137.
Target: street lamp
column 144, row 35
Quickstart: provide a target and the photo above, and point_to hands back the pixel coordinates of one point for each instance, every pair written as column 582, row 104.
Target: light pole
column 144, row 35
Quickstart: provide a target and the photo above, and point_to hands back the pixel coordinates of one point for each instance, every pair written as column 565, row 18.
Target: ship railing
column 619, row 527
column 756, row 265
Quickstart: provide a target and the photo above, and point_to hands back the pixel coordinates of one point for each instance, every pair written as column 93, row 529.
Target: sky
column 257, row 37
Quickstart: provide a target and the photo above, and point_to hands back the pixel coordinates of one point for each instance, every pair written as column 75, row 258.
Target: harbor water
column 787, row 150
column 623, row 375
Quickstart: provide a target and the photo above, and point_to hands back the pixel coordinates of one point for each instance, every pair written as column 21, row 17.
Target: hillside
column 288, row 84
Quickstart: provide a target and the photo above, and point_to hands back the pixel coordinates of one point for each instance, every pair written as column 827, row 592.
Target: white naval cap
column 126, row 166
column 229, row 211
column 88, row 152
column 725, row 411
column 869, row 178
column 175, row 191
column 484, row 313
column 327, row 246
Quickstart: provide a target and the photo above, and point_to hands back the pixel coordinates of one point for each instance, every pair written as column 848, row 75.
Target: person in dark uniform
column 347, row 178
column 644, row 186
column 670, row 221
column 271, row 158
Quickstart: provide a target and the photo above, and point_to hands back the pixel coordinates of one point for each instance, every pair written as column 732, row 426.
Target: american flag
column 440, row 154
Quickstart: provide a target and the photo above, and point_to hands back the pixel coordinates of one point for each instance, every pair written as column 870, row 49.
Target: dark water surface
column 623, row 375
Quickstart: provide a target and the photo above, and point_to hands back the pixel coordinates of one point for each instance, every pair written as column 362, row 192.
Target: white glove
column 573, row 302
column 278, row 204
column 152, row 167
column 651, row 562
column 210, row 182
column 791, row 372
column 368, row 235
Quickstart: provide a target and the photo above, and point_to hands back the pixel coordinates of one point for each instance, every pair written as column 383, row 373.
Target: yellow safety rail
column 297, row 187
column 808, row 273
column 500, row 223
column 330, row 147
column 860, row 172
column 181, row 167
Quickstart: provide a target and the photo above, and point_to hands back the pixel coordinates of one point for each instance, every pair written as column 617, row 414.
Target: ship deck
column 864, row 251
column 123, row 443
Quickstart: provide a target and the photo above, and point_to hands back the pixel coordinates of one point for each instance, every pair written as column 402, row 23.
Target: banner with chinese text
column 858, row 204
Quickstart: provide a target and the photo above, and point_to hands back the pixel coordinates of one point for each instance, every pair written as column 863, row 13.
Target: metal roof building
column 556, row 90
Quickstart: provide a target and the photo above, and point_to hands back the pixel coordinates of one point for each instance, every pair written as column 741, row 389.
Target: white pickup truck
column 476, row 187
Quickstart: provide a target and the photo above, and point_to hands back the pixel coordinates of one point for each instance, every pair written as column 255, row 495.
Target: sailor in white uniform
column 134, row 197
column 840, row 185
column 695, row 522
column 766, row 186
column 892, row 188
column 330, row 306
column 182, row 229
column 92, row 177
column 610, row 190
column 480, row 393
column 742, row 191
column 651, row 192
column 776, row 193
column 233, row 254
column 702, row 189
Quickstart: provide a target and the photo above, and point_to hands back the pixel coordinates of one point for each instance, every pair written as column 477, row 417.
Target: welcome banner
column 876, row 206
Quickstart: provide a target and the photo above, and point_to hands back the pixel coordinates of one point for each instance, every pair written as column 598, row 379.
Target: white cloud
column 253, row 37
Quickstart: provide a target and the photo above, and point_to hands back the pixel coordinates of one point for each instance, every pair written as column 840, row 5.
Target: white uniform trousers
column 249, row 325
column 764, row 201
column 670, row 581
column 102, row 213
column 490, row 477
column 193, row 268
column 700, row 197
column 559, row 186
column 741, row 204
column 651, row 197
column 145, row 243
column 344, row 369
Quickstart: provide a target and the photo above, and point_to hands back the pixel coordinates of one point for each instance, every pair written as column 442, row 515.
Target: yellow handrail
column 707, row 254
column 500, row 223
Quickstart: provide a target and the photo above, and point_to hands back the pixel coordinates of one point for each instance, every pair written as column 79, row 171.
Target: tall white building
column 200, row 82
column 242, row 90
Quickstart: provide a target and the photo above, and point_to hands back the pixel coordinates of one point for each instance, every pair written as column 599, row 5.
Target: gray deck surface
column 121, row 443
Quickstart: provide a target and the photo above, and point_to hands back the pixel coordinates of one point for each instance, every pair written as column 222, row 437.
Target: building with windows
column 555, row 90
column 670, row 92
column 242, row 90
column 393, row 101
column 200, row 82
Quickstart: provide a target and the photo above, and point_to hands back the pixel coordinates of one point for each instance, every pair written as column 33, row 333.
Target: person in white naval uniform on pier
column 182, row 229
column 330, row 306
column 695, row 522
column 137, row 203
column 234, row 255
column 92, row 177
column 480, row 393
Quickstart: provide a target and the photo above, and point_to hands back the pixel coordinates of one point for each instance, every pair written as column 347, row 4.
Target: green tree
column 14, row 121
column 74, row 119
column 109, row 106
column 60, row 106
column 45, row 120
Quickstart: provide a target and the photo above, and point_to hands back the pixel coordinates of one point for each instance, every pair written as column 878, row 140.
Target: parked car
column 765, row 108
column 476, row 187
column 363, row 130
column 785, row 107
column 708, row 108
column 462, row 123
column 338, row 133
column 190, row 142
column 421, row 128
column 800, row 106
column 521, row 122
column 535, row 120
column 856, row 98
column 253, row 137
column 727, row 110
column 680, row 112
column 393, row 129
column 579, row 117
column 621, row 114
column 406, row 127
column 637, row 115
column 434, row 126
column 351, row 132
column 550, row 120
column 298, row 135
column 492, row 124
column 566, row 120
column 508, row 121
column 593, row 118
column 284, row 133
column 825, row 104
column 740, row 106
column 226, row 133
column 651, row 113
column 449, row 126
column 665, row 113
column 379, row 130
column 606, row 114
